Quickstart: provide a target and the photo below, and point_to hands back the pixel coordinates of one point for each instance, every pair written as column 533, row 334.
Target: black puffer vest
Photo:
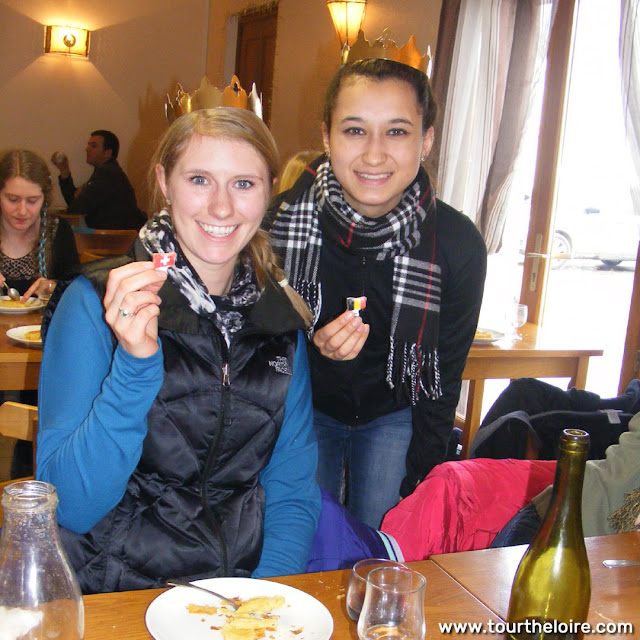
column 194, row 506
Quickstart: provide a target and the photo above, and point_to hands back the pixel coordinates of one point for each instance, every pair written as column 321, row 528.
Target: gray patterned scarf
column 228, row 311
column 315, row 210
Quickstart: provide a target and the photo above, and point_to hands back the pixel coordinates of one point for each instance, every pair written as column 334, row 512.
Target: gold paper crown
column 206, row 96
column 385, row 47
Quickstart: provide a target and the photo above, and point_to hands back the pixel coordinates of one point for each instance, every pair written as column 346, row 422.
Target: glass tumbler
column 45, row 289
column 393, row 605
column 358, row 582
column 515, row 317
column 39, row 594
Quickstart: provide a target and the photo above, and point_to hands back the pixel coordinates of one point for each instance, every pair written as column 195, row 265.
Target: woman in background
column 34, row 245
column 175, row 408
column 363, row 222
column 294, row 166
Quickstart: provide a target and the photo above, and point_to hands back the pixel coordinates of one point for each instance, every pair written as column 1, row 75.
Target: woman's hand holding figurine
column 132, row 306
column 342, row 338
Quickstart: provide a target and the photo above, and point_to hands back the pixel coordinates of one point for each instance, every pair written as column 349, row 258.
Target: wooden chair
column 76, row 220
column 20, row 421
column 104, row 242
column 87, row 256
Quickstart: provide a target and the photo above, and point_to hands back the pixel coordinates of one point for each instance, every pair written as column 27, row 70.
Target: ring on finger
column 125, row 312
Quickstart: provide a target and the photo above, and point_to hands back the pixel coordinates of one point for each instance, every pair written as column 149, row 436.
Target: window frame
column 540, row 235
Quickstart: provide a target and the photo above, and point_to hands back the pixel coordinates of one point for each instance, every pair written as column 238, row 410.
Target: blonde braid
column 265, row 264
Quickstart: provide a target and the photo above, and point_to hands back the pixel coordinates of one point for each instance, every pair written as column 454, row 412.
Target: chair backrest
column 75, row 220
column 87, row 256
column 19, row 420
column 105, row 242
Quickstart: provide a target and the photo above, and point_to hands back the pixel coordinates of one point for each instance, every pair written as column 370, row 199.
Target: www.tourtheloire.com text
column 532, row 627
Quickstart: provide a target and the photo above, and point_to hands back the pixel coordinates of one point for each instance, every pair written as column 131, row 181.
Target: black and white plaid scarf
column 228, row 311
column 315, row 207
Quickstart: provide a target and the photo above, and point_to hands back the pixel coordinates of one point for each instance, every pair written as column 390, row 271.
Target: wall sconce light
column 347, row 16
column 70, row 40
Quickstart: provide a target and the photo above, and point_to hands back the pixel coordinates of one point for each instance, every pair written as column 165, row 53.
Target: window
column 572, row 193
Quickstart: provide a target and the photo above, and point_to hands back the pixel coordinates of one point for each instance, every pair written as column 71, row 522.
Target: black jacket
column 194, row 505
column 536, row 411
column 107, row 200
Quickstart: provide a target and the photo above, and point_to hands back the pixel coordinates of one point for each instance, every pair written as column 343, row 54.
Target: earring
column 422, row 158
column 328, row 154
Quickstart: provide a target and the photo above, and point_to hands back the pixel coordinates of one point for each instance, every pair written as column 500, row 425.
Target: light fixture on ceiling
column 347, row 16
column 69, row 40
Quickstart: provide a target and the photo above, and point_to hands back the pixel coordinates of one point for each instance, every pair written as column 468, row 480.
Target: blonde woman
column 294, row 166
column 176, row 418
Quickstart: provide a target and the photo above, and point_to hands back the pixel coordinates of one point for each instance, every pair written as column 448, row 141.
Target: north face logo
column 281, row 365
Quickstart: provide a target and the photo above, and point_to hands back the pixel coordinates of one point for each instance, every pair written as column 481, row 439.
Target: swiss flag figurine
column 164, row 260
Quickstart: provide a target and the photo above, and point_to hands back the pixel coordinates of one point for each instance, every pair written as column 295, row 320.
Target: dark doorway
column 256, row 50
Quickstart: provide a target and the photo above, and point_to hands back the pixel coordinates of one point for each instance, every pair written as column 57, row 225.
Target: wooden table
column 615, row 593
column 19, row 364
column 120, row 616
column 537, row 355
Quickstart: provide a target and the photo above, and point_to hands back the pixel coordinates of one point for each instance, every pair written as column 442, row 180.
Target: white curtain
column 465, row 150
column 498, row 59
column 630, row 77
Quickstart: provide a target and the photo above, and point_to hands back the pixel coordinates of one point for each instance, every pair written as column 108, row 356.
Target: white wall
column 139, row 50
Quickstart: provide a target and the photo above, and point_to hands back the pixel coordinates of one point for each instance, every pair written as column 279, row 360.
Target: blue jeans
column 363, row 466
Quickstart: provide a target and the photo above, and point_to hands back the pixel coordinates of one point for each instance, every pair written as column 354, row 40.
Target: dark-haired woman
column 364, row 221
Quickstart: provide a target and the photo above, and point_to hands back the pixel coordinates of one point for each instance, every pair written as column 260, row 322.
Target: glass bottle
column 39, row 593
column 553, row 583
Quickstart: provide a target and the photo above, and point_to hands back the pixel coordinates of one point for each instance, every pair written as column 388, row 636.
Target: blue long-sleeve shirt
column 93, row 409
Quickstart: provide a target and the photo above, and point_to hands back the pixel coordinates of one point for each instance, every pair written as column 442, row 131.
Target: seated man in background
column 107, row 200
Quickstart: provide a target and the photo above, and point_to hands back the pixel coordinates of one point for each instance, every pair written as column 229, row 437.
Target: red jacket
column 462, row 505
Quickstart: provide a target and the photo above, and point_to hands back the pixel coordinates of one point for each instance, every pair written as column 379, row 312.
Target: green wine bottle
column 552, row 587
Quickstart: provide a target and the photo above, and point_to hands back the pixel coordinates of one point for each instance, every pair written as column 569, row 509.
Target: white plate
column 34, row 305
column 167, row 617
column 17, row 333
column 497, row 335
